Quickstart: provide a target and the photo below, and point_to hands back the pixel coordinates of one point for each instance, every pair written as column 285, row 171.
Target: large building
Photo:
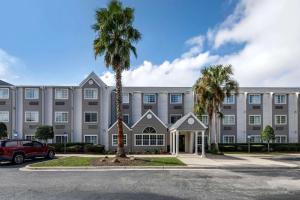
column 86, row 113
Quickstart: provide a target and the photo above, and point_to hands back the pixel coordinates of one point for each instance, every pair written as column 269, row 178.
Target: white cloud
column 7, row 66
column 270, row 32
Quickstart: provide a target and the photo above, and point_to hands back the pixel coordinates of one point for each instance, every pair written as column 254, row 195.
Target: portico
column 184, row 135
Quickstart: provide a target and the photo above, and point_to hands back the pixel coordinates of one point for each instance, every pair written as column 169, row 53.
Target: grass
column 92, row 161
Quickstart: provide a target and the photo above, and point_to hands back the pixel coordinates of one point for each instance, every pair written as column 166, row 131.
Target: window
column 204, row 119
column 280, row 99
column 229, row 120
column 4, row 116
column 228, row 139
column 29, row 137
column 149, row 138
column 199, row 140
column 37, row 144
column 174, row 118
column 90, row 139
column 61, row 117
column 280, row 139
column 125, row 98
column 176, row 98
column 280, row 119
column 115, row 139
column 61, row 139
column 31, row 116
column 31, row 93
column 229, row 99
column 90, row 93
column 149, row 98
column 4, row 93
column 255, row 139
column 90, row 117
column 254, row 99
column 254, row 119
column 11, row 144
column 138, row 140
column 61, row 93
column 126, row 118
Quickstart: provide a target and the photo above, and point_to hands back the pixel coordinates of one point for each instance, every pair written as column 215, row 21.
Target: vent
column 125, row 106
column 227, row 128
column 33, row 103
column 256, row 128
column 2, row 102
column 177, row 107
column 93, row 103
column 278, row 107
column 147, row 107
column 60, row 126
column 279, row 128
column 32, row 126
column 226, row 107
column 59, row 103
column 92, row 126
column 256, row 107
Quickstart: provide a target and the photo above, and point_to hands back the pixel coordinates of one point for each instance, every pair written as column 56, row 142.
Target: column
column 191, row 142
column 196, row 143
column 293, row 117
column 267, row 109
column 241, row 117
column 163, row 107
column 137, row 106
column 177, row 143
column 174, row 146
column 171, row 141
column 203, row 147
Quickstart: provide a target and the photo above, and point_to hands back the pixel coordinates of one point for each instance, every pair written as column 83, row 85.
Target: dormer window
column 90, row 93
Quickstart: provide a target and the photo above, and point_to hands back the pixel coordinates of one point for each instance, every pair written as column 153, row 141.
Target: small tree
column 267, row 135
column 44, row 133
column 3, row 130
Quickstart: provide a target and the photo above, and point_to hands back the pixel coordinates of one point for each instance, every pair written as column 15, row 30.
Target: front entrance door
column 182, row 143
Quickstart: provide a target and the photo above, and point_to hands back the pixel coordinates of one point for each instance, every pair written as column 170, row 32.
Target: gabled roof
column 2, row 83
column 144, row 115
column 115, row 124
column 96, row 78
column 179, row 122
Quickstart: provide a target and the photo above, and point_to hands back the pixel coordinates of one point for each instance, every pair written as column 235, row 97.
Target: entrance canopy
column 190, row 125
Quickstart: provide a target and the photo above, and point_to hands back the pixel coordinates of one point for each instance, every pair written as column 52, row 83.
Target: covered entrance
column 184, row 135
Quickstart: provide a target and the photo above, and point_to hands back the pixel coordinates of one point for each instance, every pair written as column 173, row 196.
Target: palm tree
column 211, row 88
column 115, row 41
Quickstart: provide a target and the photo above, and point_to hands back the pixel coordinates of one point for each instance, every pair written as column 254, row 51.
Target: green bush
column 75, row 149
column 89, row 148
column 78, row 148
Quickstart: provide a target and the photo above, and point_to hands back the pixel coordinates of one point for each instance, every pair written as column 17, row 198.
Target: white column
column 163, row 106
column 203, row 147
column 136, row 106
column 177, row 143
column 196, row 143
column 174, row 145
column 188, row 101
column 171, row 141
column 191, row 142
column 293, row 117
column 267, row 109
column 241, row 117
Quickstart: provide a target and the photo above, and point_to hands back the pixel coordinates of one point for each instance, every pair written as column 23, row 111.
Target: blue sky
column 50, row 42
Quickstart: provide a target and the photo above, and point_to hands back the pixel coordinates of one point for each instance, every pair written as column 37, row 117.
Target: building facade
column 87, row 113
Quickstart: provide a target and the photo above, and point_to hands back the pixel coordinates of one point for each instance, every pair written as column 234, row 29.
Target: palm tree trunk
column 120, row 149
column 216, row 132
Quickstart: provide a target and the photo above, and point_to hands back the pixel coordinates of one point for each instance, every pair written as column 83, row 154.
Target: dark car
column 18, row 150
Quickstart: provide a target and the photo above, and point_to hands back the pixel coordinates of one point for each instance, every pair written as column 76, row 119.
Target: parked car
column 18, row 150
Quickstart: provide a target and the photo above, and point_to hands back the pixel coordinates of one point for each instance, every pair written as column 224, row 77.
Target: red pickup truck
column 18, row 150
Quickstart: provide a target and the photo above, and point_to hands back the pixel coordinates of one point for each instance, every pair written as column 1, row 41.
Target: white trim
column 253, row 94
column 144, row 115
column 5, row 112
column 149, row 134
column 148, row 102
column 61, row 135
column 95, row 89
column 249, row 123
column 286, row 139
column 194, row 116
column 38, row 116
column 127, row 102
column 61, row 122
column 7, row 93
column 92, row 76
column 112, row 140
column 229, row 123
column 114, row 124
column 276, row 103
column 275, row 121
column 207, row 119
column 38, row 93
column 66, row 89
column 230, row 103
column 90, row 112
column 175, row 94
column 126, row 114
column 229, row 136
column 91, row 135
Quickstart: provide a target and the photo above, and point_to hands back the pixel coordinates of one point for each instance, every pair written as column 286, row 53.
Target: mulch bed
column 122, row 162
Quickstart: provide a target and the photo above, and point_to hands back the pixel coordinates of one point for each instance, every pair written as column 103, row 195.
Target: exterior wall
column 126, row 108
column 78, row 119
column 175, row 108
column 7, row 105
column 254, row 109
column 229, row 109
column 137, row 108
column 280, row 109
column 293, row 110
column 114, row 130
column 241, row 118
column 163, row 107
column 152, row 106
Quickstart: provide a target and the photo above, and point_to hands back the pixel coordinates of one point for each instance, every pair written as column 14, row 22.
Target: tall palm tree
column 115, row 41
column 211, row 88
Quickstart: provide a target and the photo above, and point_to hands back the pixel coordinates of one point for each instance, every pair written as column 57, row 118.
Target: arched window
column 149, row 130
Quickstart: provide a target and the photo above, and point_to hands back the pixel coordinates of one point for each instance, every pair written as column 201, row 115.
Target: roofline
column 191, row 114
column 116, row 123
column 145, row 115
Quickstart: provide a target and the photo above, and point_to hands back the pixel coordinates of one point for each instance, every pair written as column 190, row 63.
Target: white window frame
column 226, row 102
column 62, row 89
column 280, row 119
column 7, row 116
column 199, row 139
column 255, row 136
column 94, row 89
column 116, row 144
column 35, row 96
column 228, row 123
column 125, row 98
column 61, row 112
column 227, row 136
column 204, row 116
column 280, row 139
column 90, row 112
column 91, row 136
column 7, row 96
column 63, row 136
column 256, row 103
column 38, row 119
column 249, row 120
column 279, row 95
column 180, row 102
column 149, row 102
column 171, row 115
column 128, row 118
column 149, row 143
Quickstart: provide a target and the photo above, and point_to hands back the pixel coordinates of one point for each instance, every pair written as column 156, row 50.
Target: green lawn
column 84, row 161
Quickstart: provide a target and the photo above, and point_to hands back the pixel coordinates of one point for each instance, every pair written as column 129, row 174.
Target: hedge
column 259, row 147
column 78, row 148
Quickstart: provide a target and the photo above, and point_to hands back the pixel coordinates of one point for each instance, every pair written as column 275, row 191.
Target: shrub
column 44, row 133
column 75, row 149
column 94, row 148
column 3, row 130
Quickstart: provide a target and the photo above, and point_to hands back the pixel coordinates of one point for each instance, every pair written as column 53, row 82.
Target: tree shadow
column 7, row 164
